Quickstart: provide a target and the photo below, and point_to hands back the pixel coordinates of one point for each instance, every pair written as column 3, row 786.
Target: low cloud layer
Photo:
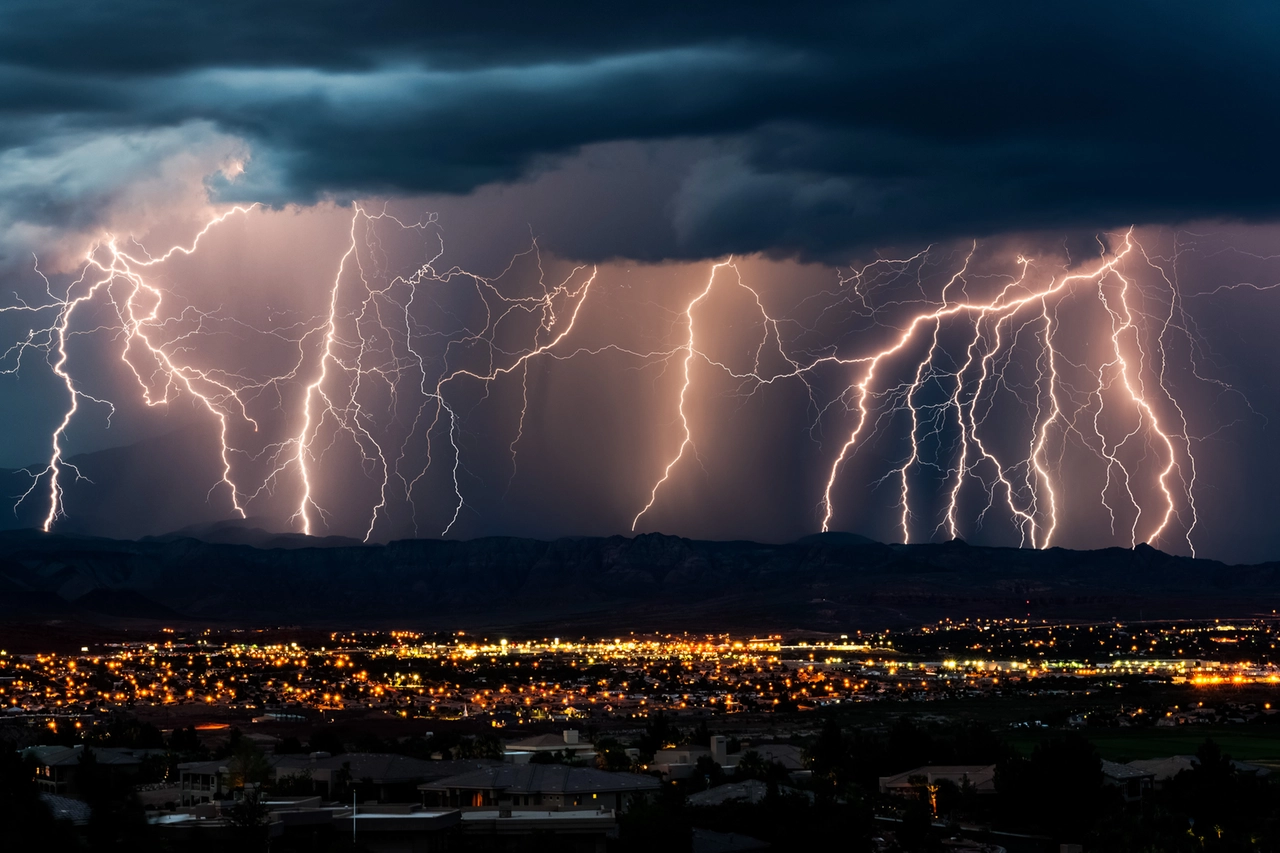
column 811, row 130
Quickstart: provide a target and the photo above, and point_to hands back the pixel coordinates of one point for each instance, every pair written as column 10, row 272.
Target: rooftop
column 524, row 814
column 545, row 742
column 54, row 756
column 65, row 808
column 382, row 768
column 980, row 776
column 545, row 779
column 1113, row 770
column 751, row 791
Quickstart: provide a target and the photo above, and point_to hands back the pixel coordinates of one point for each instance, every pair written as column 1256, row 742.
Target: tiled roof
column 65, row 808
column 752, row 790
column 790, row 757
column 1123, row 771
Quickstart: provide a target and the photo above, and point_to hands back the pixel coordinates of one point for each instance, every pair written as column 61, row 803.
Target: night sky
column 564, row 181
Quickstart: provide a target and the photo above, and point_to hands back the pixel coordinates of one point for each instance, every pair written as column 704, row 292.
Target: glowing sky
column 807, row 140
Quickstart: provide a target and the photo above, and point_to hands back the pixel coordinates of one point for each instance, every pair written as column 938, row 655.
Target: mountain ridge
column 650, row 582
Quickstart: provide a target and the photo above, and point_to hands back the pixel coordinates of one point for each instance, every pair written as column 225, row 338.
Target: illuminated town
column 514, row 682
column 639, row 427
column 456, row 732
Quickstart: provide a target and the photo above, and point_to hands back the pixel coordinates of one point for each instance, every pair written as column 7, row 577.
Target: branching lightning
column 363, row 339
column 1126, row 412
column 972, row 375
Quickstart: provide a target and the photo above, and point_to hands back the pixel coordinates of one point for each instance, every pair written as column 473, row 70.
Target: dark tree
column 27, row 823
column 117, row 821
column 186, row 742
column 1051, row 791
column 249, row 816
column 829, row 756
column 326, row 740
column 289, row 746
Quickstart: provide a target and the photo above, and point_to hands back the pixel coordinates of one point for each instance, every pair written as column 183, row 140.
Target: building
column 568, row 743
column 980, row 777
column 791, row 758
column 202, row 781
column 58, row 766
column 403, row 828
column 307, row 824
column 1162, row 770
column 679, row 762
column 1133, row 783
column 371, row 777
column 374, row 777
column 553, row 786
column 398, row 829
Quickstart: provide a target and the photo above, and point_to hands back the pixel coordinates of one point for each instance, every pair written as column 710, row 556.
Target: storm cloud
column 809, row 130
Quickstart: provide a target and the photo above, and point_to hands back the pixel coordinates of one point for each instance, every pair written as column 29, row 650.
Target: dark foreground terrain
column 599, row 586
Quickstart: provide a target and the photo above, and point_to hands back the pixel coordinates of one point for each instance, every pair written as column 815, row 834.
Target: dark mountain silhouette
column 235, row 531
column 605, row 585
column 122, row 491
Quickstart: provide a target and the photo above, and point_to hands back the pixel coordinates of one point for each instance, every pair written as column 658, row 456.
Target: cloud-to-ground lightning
column 1124, row 414
column 970, row 370
column 365, row 337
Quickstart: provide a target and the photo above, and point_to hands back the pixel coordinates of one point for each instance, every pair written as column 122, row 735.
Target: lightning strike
column 1018, row 316
column 384, row 368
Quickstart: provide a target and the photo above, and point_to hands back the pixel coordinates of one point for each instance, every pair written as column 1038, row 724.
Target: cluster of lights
column 410, row 674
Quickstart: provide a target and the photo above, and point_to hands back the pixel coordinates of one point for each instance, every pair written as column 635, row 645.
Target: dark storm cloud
column 820, row 127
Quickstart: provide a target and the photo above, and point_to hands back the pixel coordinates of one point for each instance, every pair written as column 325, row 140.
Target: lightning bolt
column 122, row 271
column 999, row 312
column 349, row 355
column 390, row 361
column 1020, row 314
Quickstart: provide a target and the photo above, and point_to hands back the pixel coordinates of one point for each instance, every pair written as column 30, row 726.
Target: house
column 679, row 762
column 58, row 766
column 1134, row 783
column 380, row 777
column 403, row 828
column 555, row 786
column 1164, row 769
column 202, row 781
column 305, row 824
column 371, row 777
column 790, row 757
column 567, row 743
column 980, row 777
column 210, row 781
